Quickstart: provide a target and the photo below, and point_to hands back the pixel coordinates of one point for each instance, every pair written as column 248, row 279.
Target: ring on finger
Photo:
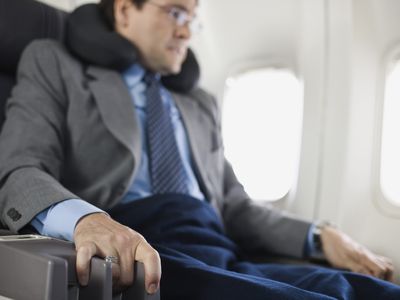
column 111, row 259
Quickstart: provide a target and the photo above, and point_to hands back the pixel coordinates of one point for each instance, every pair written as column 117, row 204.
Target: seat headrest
column 89, row 38
column 21, row 22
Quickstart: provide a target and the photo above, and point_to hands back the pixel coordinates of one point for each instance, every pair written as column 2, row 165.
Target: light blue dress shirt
column 60, row 219
column 141, row 186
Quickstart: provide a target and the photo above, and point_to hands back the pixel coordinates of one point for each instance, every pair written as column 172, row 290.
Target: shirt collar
column 133, row 75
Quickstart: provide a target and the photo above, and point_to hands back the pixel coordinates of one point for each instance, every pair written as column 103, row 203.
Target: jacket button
column 14, row 214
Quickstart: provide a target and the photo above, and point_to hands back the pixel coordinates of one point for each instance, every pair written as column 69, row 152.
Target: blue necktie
column 166, row 167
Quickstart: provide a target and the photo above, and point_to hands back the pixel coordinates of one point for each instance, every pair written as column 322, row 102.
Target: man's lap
column 200, row 262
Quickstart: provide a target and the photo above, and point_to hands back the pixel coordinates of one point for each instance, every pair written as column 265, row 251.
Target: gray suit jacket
column 72, row 132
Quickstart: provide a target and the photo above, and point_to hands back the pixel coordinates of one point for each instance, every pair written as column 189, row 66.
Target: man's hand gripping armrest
column 98, row 234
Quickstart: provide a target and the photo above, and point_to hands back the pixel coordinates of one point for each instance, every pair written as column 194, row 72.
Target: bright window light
column 262, row 121
column 390, row 154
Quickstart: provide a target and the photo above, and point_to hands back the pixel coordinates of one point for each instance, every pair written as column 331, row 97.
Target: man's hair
column 107, row 9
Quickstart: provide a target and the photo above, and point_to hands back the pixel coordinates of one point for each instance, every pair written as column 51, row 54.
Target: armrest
column 37, row 267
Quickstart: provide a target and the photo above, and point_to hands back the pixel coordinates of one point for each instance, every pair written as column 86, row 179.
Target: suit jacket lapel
column 116, row 108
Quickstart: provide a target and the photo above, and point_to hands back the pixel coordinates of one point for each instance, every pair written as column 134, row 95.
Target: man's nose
column 183, row 32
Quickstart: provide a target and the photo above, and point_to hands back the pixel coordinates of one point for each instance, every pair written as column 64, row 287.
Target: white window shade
column 390, row 152
column 262, row 122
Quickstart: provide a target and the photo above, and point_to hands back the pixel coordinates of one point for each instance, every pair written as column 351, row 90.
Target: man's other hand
column 343, row 252
column 98, row 234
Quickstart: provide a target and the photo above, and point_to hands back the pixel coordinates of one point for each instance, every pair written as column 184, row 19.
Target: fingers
column 366, row 262
column 144, row 253
column 343, row 252
column 377, row 267
column 123, row 244
column 84, row 253
column 389, row 268
column 116, row 274
column 100, row 235
column 152, row 265
column 390, row 274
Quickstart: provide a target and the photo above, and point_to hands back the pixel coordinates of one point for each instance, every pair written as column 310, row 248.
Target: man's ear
column 121, row 15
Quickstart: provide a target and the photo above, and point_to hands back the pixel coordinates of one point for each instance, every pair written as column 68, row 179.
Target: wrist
column 318, row 232
column 89, row 218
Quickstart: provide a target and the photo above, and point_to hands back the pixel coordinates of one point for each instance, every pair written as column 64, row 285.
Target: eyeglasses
column 180, row 16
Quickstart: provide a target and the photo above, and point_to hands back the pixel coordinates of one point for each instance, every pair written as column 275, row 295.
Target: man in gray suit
column 74, row 145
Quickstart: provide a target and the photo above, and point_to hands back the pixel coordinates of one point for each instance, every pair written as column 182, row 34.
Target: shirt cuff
column 59, row 220
column 309, row 246
column 311, row 250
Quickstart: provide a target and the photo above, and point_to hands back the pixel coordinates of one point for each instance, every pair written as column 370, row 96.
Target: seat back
column 22, row 21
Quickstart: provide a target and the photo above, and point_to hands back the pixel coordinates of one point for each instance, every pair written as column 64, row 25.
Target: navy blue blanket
column 199, row 262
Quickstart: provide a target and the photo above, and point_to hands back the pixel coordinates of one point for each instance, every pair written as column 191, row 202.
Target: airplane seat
column 21, row 22
column 6, row 84
column 35, row 267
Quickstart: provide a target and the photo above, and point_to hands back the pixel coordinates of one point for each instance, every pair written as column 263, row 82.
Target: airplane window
column 262, row 121
column 390, row 152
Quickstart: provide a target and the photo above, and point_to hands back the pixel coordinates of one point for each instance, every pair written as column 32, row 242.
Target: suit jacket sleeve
column 255, row 226
column 32, row 140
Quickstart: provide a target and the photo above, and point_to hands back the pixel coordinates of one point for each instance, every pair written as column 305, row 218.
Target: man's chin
column 176, row 70
column 171, row 70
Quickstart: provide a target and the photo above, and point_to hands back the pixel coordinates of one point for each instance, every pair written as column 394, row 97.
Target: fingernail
column 152, row 288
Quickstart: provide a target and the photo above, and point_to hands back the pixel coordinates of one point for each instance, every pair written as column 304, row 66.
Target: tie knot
column 150, row 78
